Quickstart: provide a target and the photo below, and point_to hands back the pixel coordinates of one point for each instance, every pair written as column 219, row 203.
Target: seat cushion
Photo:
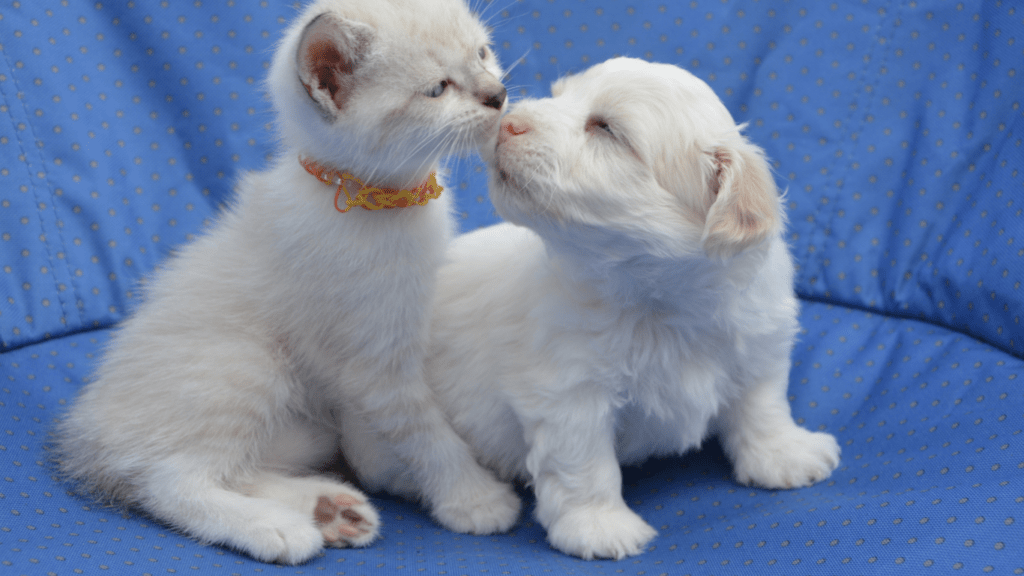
column 929, row 421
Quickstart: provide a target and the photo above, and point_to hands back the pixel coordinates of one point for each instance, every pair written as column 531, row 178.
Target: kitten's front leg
column 463, row 496
column 578, row 481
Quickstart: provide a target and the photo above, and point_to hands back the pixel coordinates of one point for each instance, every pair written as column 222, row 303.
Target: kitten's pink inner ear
column 329, row 53
column 326, row 63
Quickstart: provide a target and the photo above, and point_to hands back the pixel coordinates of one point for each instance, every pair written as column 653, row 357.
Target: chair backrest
column 122, row 129
column 896, row 129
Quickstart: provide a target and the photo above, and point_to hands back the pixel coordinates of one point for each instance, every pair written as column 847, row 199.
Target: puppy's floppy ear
column 330, row 50
column 744, row 200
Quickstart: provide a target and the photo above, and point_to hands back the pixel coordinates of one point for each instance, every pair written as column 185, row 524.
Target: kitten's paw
column 600, row 532
column 346, row 520
column 284, row 539
column 791, row 459
column 486, row 507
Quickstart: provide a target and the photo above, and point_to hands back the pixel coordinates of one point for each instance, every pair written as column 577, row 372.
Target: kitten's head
column 385, row 88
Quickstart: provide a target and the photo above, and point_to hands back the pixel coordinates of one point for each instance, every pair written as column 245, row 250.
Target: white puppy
column 644, row 302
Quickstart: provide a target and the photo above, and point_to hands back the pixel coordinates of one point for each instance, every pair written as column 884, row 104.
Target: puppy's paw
column 600, row 532
column 790, row 459
column 483, row 506
column 346, row 520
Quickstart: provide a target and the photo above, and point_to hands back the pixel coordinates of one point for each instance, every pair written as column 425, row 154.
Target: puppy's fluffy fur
column 643, row 302
column 288, row 319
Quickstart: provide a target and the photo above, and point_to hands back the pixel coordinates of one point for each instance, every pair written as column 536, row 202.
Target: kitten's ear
column 329, row 52
column 744, row 201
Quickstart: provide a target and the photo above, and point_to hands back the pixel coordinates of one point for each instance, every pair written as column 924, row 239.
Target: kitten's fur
column 288, row 319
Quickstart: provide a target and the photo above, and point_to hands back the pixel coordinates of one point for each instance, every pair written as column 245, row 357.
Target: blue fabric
column 895, row 126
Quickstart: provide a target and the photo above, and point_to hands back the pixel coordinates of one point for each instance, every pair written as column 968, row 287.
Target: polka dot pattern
column 895, row 127
column 121, row 131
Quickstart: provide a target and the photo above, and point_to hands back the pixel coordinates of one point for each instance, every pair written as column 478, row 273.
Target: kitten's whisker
column 455, row 147
column 413, row 150
column 514, row 87
column 424, row 143
column 439, row 149
column 498, row 12
column 482, row 14
column 518, row 61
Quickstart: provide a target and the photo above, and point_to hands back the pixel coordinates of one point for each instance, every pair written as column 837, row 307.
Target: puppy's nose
column 494, row 99
column 512, row 127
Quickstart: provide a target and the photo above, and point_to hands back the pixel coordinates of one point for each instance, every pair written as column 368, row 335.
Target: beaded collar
column 370, row 197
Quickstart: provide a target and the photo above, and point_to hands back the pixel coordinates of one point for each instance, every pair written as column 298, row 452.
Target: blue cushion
column 895, row 128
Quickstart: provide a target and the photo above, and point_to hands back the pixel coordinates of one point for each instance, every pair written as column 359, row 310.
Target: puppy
column 641, row 300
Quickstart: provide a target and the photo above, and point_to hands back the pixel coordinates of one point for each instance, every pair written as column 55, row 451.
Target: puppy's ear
column 330, row 50
column 744, row 201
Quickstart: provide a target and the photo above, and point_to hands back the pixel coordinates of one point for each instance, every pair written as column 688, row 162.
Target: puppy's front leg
column 767, row 447
column 577, row 479
column 463, row 496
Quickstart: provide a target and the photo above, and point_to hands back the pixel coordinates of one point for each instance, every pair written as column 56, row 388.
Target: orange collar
column 369, row 197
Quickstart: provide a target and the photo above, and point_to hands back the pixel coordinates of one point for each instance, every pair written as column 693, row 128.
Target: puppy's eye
column 482, row 52
column 600, row 124
column 438, row 90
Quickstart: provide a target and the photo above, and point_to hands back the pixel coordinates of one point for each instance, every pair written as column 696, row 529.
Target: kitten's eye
column 438, row 90
column 482, row 52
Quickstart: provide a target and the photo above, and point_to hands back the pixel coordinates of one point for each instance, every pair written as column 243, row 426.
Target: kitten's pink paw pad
column 345, row 520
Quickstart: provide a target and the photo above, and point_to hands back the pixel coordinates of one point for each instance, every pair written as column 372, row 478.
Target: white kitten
column 289, row 318
column 648, row 304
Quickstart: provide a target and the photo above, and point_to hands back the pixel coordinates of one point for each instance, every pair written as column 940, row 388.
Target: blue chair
column 896, row 127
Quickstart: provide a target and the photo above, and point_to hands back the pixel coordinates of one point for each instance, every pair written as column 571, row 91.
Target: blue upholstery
column 895, row 126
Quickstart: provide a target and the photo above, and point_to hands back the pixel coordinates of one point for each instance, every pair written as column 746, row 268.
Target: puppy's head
column 386, row 87
column 634, row 158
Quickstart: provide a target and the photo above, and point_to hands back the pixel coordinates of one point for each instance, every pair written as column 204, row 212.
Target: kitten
column 289, row 319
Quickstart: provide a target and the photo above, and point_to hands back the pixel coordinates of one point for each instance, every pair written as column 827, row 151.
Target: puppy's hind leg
column 767, row 447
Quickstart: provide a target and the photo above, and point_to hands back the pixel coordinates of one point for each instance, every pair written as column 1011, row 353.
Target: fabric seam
column 51, row 256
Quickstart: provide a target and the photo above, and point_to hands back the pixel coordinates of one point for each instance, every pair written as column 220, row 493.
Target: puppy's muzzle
column 511, row 127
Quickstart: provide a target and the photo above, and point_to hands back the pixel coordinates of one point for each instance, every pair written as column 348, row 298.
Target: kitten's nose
column 512, row 127
column 494, row 99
